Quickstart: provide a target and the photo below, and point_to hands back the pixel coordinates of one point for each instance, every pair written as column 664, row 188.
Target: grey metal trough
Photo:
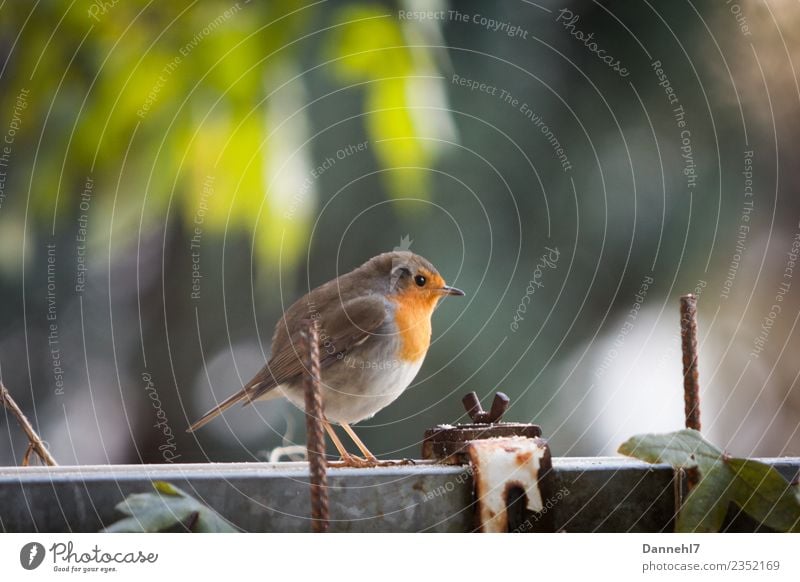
column 597, row 494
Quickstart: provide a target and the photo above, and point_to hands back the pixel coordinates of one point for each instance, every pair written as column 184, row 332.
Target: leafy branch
column 758, row 489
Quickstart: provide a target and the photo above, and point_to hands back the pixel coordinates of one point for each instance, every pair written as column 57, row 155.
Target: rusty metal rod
column 315, row 433
column 691, row 387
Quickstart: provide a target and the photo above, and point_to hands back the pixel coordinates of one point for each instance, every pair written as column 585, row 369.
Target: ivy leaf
column 758, row 489
column 704, row 509
column 168, row 508
column 765, row 495
column 683, row 449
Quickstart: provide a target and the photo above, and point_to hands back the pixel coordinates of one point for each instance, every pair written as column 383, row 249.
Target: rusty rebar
column 35, row 443
column 691, row 387
column 315, row 432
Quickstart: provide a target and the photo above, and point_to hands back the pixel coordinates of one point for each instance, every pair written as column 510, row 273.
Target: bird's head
column 410, row 277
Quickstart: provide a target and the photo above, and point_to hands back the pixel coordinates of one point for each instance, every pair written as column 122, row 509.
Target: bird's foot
column 396, row 463
column 355, row 461
column 368, row 462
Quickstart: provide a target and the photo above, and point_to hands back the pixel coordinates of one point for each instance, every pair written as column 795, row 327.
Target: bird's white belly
column 355, row 388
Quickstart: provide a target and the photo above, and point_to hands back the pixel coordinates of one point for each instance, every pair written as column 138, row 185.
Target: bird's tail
column 248, row 394
column 219, row 409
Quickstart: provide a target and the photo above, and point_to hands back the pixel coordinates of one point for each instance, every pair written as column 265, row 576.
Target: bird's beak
column 446, row 290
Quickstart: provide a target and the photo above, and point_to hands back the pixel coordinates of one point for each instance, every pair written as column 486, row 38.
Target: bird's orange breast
column 413, row 319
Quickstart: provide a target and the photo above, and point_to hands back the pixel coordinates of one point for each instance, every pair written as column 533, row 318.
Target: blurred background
column 174, row 175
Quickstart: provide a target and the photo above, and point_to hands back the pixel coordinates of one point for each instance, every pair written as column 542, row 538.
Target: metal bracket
column 511, row 465
column 508, row 472
column 448, row 443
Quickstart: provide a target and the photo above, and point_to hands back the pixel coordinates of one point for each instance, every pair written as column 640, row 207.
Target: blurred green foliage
column 225, row 113
column 180, row 104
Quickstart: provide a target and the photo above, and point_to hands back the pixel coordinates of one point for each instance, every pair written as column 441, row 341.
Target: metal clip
column 448, row 443
column 505, row 469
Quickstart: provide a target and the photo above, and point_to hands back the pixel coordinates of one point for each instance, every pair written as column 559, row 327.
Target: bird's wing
column 342, row 328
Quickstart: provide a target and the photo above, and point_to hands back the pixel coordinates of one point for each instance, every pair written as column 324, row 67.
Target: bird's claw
column 398, row 463
column 354, row 461
column 369, row 462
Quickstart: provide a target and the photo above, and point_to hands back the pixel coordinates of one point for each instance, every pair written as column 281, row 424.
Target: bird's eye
column 420, row 280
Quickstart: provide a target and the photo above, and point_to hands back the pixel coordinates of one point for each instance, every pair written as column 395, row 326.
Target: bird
column 374, row 329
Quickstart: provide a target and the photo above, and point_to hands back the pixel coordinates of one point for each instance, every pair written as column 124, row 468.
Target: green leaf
column 683, row 449
column 166, row 488
column 166, row 509
column 765, row 495
column 758, row 489
column 150, row 512
column 706, row 506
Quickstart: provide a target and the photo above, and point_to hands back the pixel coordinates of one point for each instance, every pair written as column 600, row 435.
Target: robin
column 374, row 328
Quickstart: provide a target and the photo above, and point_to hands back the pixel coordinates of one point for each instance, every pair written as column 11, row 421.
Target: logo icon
column 405, row 245
column 31, row 555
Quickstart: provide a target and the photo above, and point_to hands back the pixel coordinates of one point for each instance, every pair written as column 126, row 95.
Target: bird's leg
column 336, row 441
column 347, row 458
column 361, row 446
